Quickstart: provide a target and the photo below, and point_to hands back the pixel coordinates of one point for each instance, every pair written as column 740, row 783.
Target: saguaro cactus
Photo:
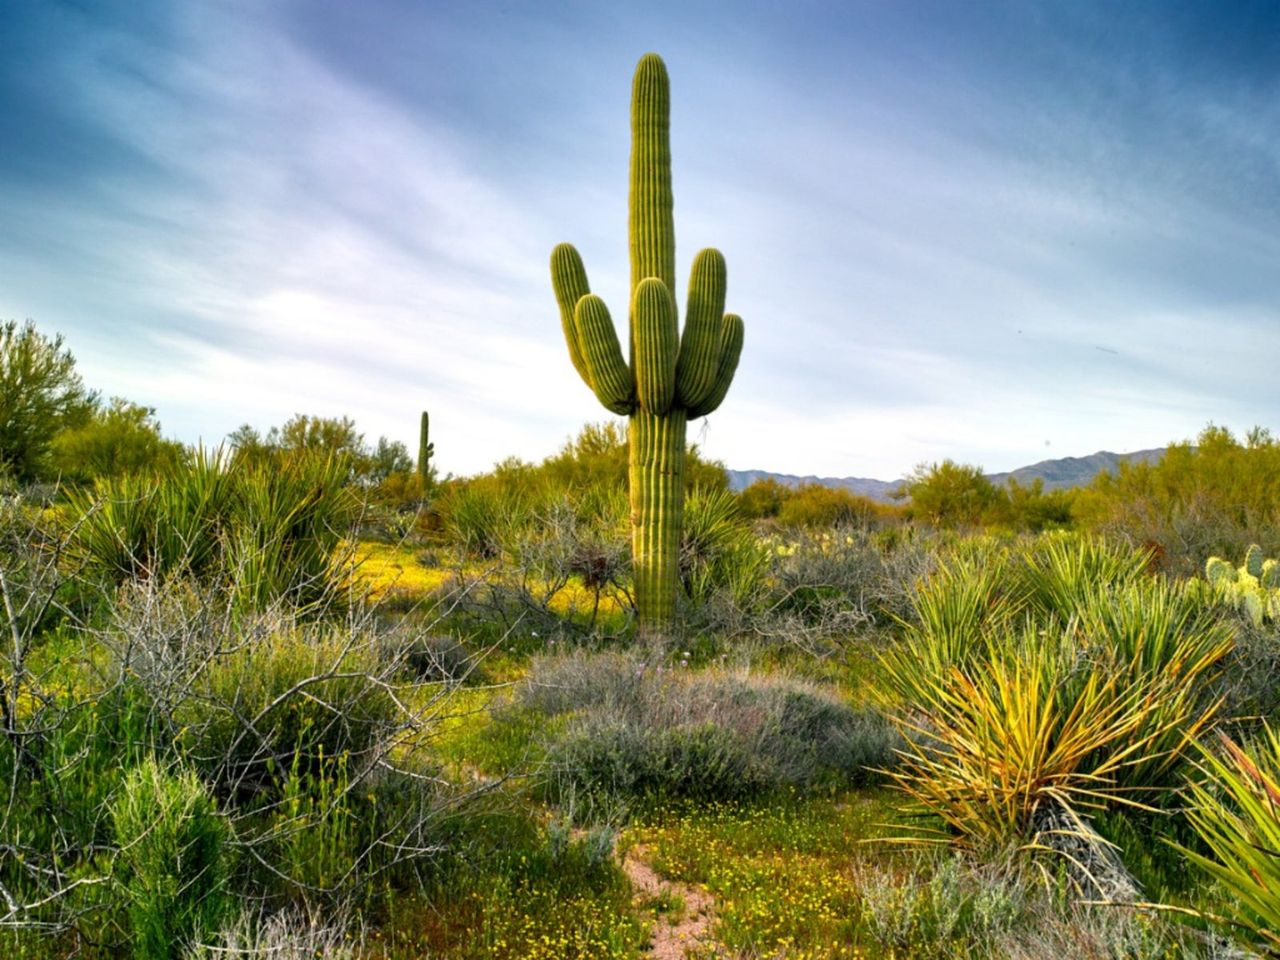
column 425, row 449
column 671, row 377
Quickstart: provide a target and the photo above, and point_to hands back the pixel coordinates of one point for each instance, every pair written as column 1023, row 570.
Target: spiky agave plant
column 671, row 377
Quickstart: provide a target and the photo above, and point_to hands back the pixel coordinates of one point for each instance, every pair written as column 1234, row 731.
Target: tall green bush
column 172, row 861
column 1211, row 497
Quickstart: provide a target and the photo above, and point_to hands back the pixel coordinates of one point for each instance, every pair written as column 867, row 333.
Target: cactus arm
column 700, row 344
column 656, row 346
column 730, row 351
column 569, row 280
column 606, row 373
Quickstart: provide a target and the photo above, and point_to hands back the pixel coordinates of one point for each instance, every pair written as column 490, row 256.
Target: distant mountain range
column 1056, row 474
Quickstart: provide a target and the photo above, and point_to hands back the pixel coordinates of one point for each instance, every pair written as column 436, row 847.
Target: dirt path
column 689, row 928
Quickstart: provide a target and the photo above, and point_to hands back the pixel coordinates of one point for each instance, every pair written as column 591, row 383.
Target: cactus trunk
column 657, row 512
column 667, row 378
column 424, row 449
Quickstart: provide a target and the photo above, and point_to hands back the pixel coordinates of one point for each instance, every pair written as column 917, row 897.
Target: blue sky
column 996, row 232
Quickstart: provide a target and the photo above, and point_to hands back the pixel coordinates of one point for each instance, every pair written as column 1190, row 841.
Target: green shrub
column 316, row 832
column 719, row 550
column 484, row 516
column 817, row 506
column 62, row 762
column 639, row 731
column 172, row 860
column 292, row 694
column 1213, row 497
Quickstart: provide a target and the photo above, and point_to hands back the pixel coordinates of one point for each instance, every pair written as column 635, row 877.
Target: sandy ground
column 672, row 937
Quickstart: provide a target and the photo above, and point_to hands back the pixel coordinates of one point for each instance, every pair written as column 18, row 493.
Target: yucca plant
column 719, row 548
column 287, row 522
column 1090, row 698
column 1236, row 812
column 270, row 531
column 1154, row 633
column 995, row 748
column 144, row 525
column 1063, row 571
column 954, row 612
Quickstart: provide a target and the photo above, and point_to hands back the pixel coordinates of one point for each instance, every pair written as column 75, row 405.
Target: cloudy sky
column 992, row 231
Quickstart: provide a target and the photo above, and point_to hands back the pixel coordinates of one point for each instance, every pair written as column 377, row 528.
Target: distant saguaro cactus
column 671, row 377
column 425, row 449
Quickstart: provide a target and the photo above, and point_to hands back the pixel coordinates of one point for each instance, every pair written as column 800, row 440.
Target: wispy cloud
column 950, row 236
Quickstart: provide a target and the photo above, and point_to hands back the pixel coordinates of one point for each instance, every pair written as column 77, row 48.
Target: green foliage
column 282, row 535
column 486, row 514
column 951, row 494
column 172, row 860
column 720, row 551
column 293, row 699
column 763, row 499
column 305, row 436
column 62, row 761
column 41, row 394
column 1062, row 574
column 122, row 438
column 1236, row 813
column 817, row 506
column 670, row 377
column 1053, row 681
column 389, row 457
column 270, row 530
column 598, row 457
column 315, row 828
column 1034, row 509
column 1211, row 498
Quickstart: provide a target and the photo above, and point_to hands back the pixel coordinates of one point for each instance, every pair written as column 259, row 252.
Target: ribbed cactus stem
column 657, row 512
column 424, row 448
column 651, row 206
column 667, row 378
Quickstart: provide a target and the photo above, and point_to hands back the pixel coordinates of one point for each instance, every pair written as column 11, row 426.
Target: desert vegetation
column 299, row 695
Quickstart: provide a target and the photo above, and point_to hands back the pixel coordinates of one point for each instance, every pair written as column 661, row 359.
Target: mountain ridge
column 1056, row 474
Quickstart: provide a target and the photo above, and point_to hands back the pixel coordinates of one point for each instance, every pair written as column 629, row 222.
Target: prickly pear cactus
column 671, row 376
column 1253, row 588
